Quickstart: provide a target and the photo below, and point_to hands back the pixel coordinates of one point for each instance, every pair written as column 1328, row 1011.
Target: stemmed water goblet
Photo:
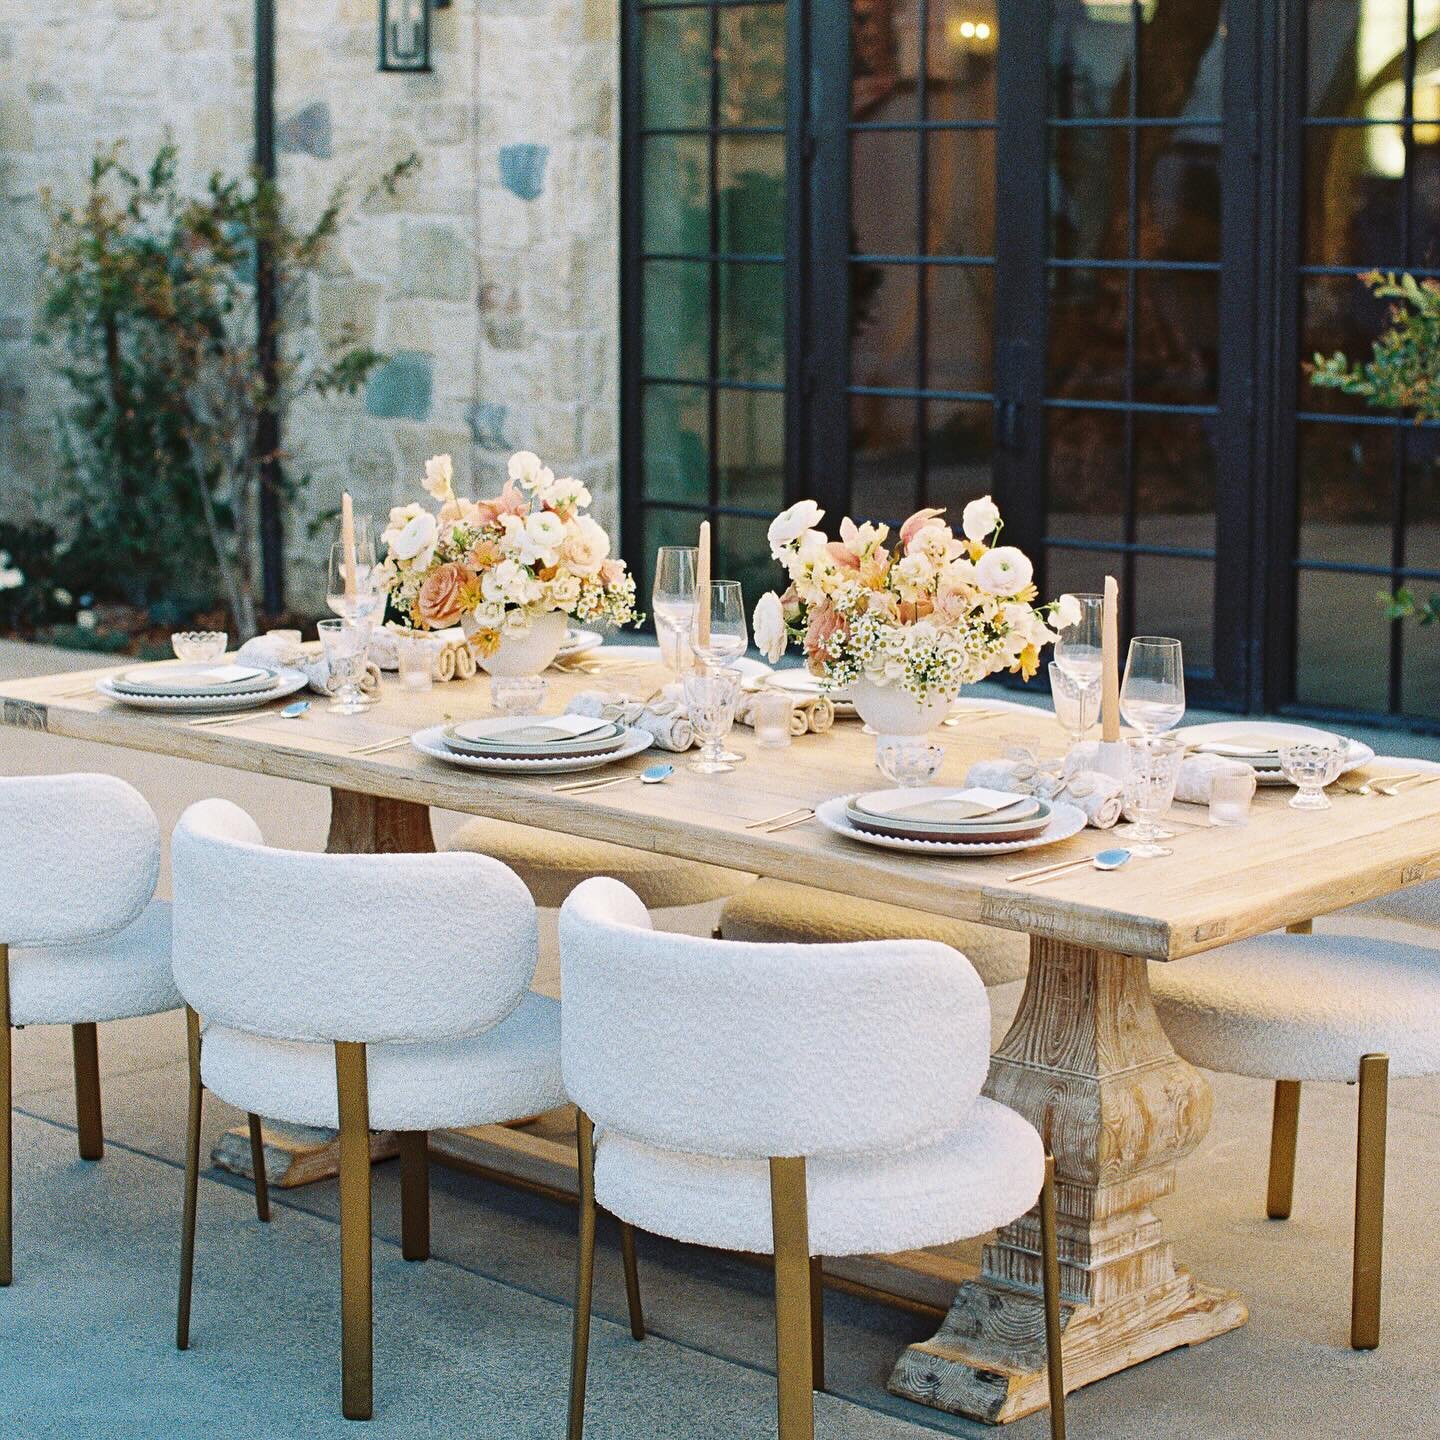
column 1152, row 694
column 1152, row 767
column 672, row 602
column 710, row 697
column 727, row 637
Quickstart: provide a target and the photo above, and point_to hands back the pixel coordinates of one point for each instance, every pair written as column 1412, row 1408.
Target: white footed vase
column 891, row 710
column 516, row 684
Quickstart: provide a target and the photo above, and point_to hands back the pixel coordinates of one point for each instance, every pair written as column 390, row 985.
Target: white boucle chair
column 355, row 991
column 1325, row 1007
column 778, row 912
column 794, row 1100
column 82, row 938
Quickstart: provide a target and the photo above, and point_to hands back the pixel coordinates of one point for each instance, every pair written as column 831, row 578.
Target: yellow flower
column 976, row 548
column 484, row 643
column 1027, row 663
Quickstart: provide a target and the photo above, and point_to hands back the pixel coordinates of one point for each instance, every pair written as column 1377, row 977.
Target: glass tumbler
column 1230, row 797
column 710, row 697
column 346, row 645
column 416, row 654
column 774, row 714
column 1311, row 765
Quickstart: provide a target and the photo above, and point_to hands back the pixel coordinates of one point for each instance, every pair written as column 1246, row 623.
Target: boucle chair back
column 720, row 1047
column 79, row 857
column 313, row 947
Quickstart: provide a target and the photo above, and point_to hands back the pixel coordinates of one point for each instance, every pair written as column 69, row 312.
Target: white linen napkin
column 1198, row 772
column 1100, row 797
column 663, row 719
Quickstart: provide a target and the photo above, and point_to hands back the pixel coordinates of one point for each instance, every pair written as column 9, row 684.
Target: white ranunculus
column 564, row 494
column 544, row 529
column 586, row 546
column 769, row 626
column 12, row 577
column 439, row 477
column 790, row 524
column 980, row 518
column 1003, row 571
column 1067, row 612
column 525, row 468
column 489, row 615
column 416, row 541
column 400, row 517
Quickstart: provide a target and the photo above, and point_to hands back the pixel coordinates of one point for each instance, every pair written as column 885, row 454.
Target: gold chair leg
column 794, row 1353
column 817, row 1323
column 415, row 1195
column 1284, row 1129
column 356, row 1295
column 85, row 1047
column 7, row 1201
column 1369, row 1203
column 584, row 1274
column 1054, row 1338
column 192, row 1181
column 632, row 1281
column 257, row 1168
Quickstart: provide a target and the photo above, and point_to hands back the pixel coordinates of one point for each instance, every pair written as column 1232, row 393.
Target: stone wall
column 489, row 281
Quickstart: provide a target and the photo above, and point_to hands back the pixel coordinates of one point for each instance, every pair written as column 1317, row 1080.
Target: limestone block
column 346, row 311
column 433, row 261
column 417, row 443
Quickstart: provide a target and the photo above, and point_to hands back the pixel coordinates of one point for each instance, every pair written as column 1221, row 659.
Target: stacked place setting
column 944, row 821
column 200, row 688
column 539, row 744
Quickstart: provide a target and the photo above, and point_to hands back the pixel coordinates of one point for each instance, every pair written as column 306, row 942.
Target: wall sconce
column 405, row 35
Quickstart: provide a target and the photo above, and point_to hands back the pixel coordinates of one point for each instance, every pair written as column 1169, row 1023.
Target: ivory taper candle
column 347, row 542
column 702, row 586
column 1110, row 658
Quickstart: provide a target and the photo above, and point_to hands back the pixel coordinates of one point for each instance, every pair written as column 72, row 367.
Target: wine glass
column 672, row 602
column 729, row 635
column 1076, row 705
column 1079, row 647
column 1152, row 695
column 366, row 599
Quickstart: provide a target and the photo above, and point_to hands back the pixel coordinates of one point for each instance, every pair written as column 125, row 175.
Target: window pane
column 880, row 31
column 1089, row 194
column 675, row 309
column 675, row 86
column 1420, row 669
column 1356, row 55
column 958, row 451
column 751, row 180
column 1175, row 481
column 1177, row 338
column 742, row 553
column 752, row 322
column 676, row 195
column 1091, row 48
column 1079, row 572
column 961, row 184
column 1343, row 493
column 1177, row 597
column 959, row 309
column 676, row 444
column 1422, row 500
column 883, row 301
column 1182, row 59
column 750, row 448
column 662, row 527
column 886, row 458
column 1087, row 334
column 1339, row 314
column 963, row 38
column 884, row 192
column 1343, row 642
column 752, row 65
column 1353, row 195
column 1085, row 493
column 1179, row 189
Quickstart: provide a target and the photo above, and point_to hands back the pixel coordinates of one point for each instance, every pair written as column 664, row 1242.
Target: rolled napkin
column 317, row 671
column 810, row 715
column 1099, row 796
column 271, row 650
column 444, row 663
column 1198, row 772
column 465, row 663
column 662, row 718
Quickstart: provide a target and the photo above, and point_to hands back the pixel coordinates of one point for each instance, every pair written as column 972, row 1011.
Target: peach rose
column 438, row 602
column 612, row 572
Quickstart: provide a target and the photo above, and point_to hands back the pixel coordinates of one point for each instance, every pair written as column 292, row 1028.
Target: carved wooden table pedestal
column 1088, row 1064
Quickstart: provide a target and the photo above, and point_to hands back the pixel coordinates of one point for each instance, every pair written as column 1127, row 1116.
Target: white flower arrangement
column 933, row 613
column 503, row 562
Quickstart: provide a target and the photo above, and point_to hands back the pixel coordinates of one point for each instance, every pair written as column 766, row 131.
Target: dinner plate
column 286, row 682
column 432, row 742
column 606, row 737
column 1065, row 821
column 171, row 679
column 929, row 804
column 960, row 832
column 1267, row 767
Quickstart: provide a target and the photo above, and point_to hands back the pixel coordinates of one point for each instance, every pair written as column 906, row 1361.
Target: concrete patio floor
column 475, row 1342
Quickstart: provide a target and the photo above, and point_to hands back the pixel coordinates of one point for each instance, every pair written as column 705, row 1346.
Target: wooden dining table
column 1086, row 1059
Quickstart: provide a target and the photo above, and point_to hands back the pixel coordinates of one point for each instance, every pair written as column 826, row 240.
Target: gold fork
column 1379, row 785
column 783, row 815
column 774, row 829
